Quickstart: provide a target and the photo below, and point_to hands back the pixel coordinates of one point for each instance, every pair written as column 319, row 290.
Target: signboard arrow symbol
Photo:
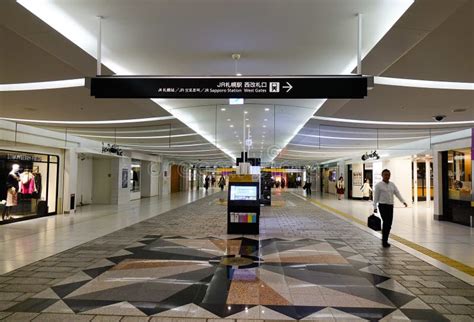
column 288, row 87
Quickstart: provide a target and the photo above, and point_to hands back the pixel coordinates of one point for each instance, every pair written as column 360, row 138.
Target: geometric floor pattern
column 306, row 264
column 234, row 277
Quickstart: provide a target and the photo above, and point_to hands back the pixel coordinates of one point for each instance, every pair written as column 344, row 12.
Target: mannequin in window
column 27, row 183
column 12, row 191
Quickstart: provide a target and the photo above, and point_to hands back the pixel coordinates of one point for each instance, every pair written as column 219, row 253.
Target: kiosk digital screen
column 243, row 193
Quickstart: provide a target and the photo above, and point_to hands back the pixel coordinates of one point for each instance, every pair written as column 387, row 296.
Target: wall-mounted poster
column 357, row 180
column 124, row 178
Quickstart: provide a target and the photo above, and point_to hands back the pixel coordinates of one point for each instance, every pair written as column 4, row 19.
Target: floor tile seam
column 430, row 253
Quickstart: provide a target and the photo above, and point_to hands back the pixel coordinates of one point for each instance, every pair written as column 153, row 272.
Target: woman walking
column 340, row 188
column 366, row 190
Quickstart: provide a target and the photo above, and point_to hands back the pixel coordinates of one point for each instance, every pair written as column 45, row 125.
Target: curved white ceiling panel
column 136, row 41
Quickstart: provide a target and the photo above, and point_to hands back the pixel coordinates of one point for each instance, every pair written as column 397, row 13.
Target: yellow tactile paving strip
column 443, row 259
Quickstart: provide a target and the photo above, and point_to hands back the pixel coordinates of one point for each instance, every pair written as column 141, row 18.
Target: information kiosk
column 243, row 205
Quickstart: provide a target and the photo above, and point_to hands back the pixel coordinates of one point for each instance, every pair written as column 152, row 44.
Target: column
column 415, row 181
column 70, row 180
column 428, row 183
column 437, row 186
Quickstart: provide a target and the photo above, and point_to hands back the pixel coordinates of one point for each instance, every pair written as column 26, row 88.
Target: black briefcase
column 374, row 222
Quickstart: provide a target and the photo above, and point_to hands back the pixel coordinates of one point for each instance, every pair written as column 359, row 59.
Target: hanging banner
column 263, row 87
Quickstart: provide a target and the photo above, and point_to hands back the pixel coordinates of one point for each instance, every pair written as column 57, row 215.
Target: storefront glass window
column 459, row 175
column 28, row 185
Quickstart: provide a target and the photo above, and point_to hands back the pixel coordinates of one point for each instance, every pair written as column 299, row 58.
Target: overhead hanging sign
column 263, row 87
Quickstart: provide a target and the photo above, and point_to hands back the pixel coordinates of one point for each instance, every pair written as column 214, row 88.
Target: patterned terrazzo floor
column 306, row 264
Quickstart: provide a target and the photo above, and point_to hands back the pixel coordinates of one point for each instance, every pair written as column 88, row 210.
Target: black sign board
column 263, row 87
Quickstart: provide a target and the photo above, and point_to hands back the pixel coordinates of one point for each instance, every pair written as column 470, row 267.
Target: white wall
column 165, row 182
column 150, row 173
column 102, row 181
column 154, row 178
column 401, row 170
column 84, row 181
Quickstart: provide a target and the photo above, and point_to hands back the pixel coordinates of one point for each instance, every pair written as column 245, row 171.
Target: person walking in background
column 307, row 188
column 283, row 183
column 366, row 190
column 221, row 183
column 383, row 197
column 206, row 182
column 340, row 188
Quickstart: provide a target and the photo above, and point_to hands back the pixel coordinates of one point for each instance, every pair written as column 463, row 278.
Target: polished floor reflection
column 306, row 264
column 239, row 278
column 26, row 242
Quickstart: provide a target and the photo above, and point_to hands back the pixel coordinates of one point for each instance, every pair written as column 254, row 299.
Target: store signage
column 21, row 157
column 112, row 149
column 263, row 87
column 370, row 156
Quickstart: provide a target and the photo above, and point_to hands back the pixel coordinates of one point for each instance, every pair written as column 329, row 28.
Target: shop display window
column 28, row 185
column 459, row 175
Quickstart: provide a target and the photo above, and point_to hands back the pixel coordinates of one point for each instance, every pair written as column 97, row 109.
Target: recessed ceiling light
column 265, row 120
column 248, row 125
column 238, row 74
column 232, row 125
column 263, row 136
column 228, row 120
column 245, row 112
column 223, row 109
column 264, row 125
column 246, row 119
column 267, row 109
column 68, row 83
column 236, row 101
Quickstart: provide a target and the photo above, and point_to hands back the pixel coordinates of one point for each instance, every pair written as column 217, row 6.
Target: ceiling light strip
column 104, row 122
column 167, row 146
column 138, row 137
column 118, row 131
column 35, row 86
column 367, row 122
column 364, row 139
column 418, row 83
column 182, row 151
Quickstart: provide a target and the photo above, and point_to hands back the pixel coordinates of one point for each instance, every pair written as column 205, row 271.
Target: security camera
column 439, row 118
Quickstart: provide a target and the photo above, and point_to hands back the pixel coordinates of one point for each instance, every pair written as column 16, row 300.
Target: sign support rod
column 359, row 44
column 99, row 47
column 243, row 136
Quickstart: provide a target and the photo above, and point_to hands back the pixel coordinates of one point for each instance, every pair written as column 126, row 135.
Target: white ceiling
column 185, row 37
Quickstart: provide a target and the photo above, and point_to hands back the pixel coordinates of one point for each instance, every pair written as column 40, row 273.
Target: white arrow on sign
column 288, row 87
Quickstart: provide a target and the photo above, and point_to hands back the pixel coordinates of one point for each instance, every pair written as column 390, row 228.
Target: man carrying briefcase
column 383, row 196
